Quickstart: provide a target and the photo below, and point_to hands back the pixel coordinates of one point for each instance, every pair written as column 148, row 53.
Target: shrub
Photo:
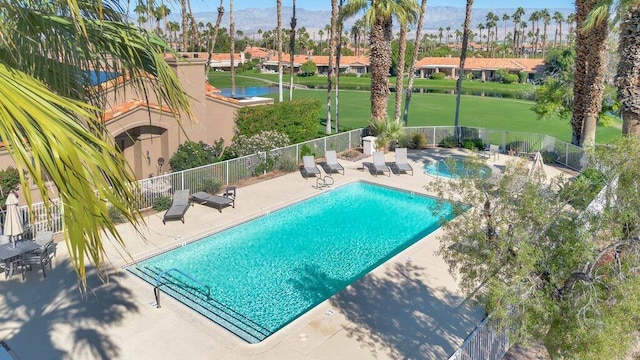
column 308, row 68
column 517, row 145
column 9, row 181
column 162, row 203
column 522, row 77
column 192, row 154
column 549, row 157
column 211, row 186
column 351, row 154
column 261, row 142
column 288, row 164
column 419, row 141
column 117, row 217
column 449, row 142
column 437, row 76
column 584, row 189
column 298, row 119
column 472, row 144
column 306, row 150
column 510, row 79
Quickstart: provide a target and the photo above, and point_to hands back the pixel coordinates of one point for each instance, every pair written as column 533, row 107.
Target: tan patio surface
column 407, row 308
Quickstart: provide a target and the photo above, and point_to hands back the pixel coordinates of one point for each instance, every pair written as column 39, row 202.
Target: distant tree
column 308, row 68
column 466, row 28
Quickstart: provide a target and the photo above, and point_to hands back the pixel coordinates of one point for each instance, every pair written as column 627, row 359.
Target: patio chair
column 401, row 163
column 216, row 201
column 493, row 150
column 331, row 164
column 42, row 259
column 379, row 165
column 309, row 167
column 179, row 206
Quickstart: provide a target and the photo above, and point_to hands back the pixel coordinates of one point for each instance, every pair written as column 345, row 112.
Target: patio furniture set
column 24, row 254
column 379, row 165
column 182, row 200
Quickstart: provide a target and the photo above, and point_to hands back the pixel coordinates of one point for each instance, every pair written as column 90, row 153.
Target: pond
column 248, row 91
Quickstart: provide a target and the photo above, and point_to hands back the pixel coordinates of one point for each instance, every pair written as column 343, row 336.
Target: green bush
column 308, row 68
column 437, row 76
column 449, row 142
column 473, row 144
column 162, row 203
column 522, row 77
column 298, row 119
column 517, row 145
column 419, row 141
column 510, row 79
column 212, row 186
column 549, row 157
column 288, row 164
column 306, row 150
column 262, row 142
column 116, row 216
column 9, row 181
column 192, row 154
column 584, row 189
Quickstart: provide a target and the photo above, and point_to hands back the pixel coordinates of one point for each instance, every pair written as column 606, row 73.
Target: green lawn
column 430, row 109
column 223, row 80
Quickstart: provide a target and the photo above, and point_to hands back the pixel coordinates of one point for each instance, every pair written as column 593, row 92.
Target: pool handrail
column 156, row 288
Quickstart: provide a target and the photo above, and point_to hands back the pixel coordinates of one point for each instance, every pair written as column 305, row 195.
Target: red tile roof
column 483, row 63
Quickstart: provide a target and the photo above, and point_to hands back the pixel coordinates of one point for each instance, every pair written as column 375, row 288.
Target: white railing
column 488, row 341
column 243, row 168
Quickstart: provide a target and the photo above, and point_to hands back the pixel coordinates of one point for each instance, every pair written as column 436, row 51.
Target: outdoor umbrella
column 12, row 222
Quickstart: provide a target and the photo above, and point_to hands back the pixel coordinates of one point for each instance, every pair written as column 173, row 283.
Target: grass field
column 429, row 109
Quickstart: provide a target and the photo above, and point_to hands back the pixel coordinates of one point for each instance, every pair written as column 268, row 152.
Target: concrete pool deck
column 408, row 307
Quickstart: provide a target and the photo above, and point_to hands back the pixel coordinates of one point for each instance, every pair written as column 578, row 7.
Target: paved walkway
column 408, row 307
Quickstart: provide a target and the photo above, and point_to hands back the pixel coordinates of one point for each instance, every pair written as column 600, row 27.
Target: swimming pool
column 456, row 168
column 257, row 277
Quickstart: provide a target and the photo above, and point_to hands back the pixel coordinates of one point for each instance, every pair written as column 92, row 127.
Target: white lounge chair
column 493, row 150
column 379, row 165
column 309, row 167
column 401, row 162
column 331, row 164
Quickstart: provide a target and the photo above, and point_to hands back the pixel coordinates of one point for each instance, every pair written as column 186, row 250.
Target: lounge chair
column 401, row 163
column 216, row 201
column 493, row 150
column 309, row 167
column 331, row 164
column 379, row 165
column 179, row 206
column 42, row 258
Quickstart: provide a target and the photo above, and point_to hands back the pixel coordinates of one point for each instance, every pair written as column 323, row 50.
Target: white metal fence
column 488, row 341
column 246, row 167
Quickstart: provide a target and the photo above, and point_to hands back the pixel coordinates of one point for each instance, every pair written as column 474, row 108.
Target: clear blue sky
column 211, row 5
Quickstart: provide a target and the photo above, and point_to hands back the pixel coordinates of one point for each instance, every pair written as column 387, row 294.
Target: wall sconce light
column 148, row 158
column 160, row 165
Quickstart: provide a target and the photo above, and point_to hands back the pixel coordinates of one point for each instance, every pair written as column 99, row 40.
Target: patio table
column 10, row 255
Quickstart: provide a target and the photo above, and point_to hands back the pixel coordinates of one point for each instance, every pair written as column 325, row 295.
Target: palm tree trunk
column 213, row 40
column 463, row 57
column 400, row 71
column 338, row 56
column 380, row 60
column 279, row 40
column 414, row 59
column 185, row 24
column 628, row 72
column 292, row 45
column 331, row 45
column 232, row 37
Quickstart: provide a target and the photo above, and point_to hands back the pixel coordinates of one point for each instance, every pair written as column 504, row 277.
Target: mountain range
column 252, row 20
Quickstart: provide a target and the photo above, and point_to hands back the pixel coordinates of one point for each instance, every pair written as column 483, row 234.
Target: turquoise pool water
column 248, row 91
column 444, row 169
column 260, row 275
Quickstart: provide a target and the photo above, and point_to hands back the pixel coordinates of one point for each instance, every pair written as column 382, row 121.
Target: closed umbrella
column 12, row 222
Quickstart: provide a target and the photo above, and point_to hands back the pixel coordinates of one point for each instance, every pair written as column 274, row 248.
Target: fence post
column 325, row 144
column 350, row 132
column 182, row 180
column 566, row 154
column 297, row 153
column 264, row 172
column 227, row 172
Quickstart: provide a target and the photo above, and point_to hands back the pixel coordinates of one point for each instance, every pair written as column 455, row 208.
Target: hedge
column 298, row 119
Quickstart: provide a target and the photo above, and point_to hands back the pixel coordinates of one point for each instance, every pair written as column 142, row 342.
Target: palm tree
column 558, row 18
column 292, row 45
column 321, row 34
column 571, row 18
column 185, row 23
column 331, row 45
column 404, row 24
column 448, row 28
column 414, row 59
column 173, row 27
column 232, row 52
column 588, row 74
column 505, row 18
column 463, row 57
column 378, row 15
column 480, row 28
column 141, row 10
column 212, row 43
column 338, row 56
column 517, row 18
column 52, row 123
column 440, row 31
column 161, row 13
column 546, row 19
column 627, row 12
column 279, row 39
